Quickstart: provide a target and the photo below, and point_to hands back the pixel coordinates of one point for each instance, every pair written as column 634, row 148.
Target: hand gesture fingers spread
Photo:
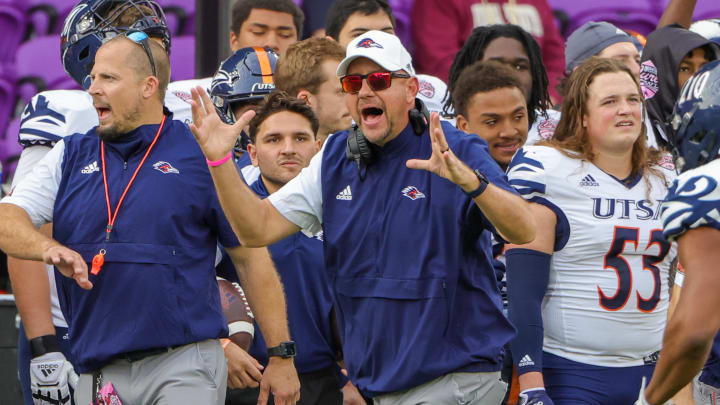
column 216, row 138
column 442, row 161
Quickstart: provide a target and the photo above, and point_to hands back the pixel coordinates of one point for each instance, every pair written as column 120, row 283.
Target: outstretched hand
column 69, row 263
column 443, row 161
column 216, row 138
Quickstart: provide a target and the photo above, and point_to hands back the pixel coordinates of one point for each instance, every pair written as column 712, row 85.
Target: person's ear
column 462, row 122
column 151, row 86
column 307, row 97
column 233, row 41
column 252, row 151
column 413, row 86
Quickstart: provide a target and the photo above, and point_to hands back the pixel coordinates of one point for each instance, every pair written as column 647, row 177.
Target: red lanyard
column 99, row 258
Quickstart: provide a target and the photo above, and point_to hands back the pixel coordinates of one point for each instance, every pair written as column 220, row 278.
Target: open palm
column 216, row 138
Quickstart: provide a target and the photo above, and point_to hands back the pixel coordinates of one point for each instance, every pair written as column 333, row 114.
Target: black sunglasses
column 377, row 81
column 142, row 39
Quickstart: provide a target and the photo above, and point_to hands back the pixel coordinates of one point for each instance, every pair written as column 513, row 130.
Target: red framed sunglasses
column 377, row 81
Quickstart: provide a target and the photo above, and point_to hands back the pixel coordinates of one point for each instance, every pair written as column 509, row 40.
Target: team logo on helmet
column 412, row 193
column 165, row 167
column 368, row 43
column 221, row 77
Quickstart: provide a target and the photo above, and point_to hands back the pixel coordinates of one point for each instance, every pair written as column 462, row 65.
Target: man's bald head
column 125, row 93
column 137, row 60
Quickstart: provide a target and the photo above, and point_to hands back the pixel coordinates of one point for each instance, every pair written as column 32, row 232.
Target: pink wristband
column 219, row 162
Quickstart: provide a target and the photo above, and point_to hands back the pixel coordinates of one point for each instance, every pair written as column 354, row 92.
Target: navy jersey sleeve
column 692, row 201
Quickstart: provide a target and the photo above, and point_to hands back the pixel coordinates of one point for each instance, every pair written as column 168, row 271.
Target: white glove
column 51, row 377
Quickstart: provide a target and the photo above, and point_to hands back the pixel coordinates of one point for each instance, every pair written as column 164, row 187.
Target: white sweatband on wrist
column 532, row 390
column 241, row 326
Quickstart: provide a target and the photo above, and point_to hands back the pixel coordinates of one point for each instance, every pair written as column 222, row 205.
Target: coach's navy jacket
column 299, row 261
column 409, row 258
column 157, row 287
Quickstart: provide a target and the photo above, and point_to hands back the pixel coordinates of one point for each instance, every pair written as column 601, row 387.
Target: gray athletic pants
column 704, row 394
column 451, row 389
column 191, row 374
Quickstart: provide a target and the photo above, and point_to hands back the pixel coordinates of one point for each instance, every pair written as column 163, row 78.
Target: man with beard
column 406, row 240
column 138, row 308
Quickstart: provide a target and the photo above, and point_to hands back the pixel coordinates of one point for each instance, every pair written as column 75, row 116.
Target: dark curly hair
column 474, row 49
column 482, row 77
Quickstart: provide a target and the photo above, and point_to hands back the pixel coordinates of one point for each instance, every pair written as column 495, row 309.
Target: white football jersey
column 693, row 201
column 607, row 296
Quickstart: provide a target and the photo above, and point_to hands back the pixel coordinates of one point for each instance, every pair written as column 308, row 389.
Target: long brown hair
column 571, row 138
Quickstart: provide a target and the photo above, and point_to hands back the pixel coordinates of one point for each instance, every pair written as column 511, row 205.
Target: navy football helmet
column 695, row 136
column 247, row 75
column 90, row 24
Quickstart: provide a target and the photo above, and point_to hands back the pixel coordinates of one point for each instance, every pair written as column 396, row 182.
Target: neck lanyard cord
column 111, row 219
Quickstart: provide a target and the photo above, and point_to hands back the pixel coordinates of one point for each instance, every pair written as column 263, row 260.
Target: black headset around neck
column 360, row 150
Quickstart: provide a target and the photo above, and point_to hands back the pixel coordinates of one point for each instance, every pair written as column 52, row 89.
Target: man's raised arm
column 256, row 222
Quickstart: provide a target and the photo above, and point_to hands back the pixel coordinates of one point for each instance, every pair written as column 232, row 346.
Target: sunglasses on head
column 352, row 84
column 142, row 39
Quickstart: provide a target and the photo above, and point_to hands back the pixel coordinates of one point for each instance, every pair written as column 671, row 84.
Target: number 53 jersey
column 607, row 296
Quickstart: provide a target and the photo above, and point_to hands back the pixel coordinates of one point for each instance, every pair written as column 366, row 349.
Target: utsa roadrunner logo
column 165, row 167
column 412, row 193
column 368, row 43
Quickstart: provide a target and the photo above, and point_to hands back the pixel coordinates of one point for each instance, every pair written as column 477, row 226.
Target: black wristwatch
column 481, row 188
column 43, row 345
column 285, row 350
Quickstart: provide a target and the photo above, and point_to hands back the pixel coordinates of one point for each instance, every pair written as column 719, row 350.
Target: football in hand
column 237, row 312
